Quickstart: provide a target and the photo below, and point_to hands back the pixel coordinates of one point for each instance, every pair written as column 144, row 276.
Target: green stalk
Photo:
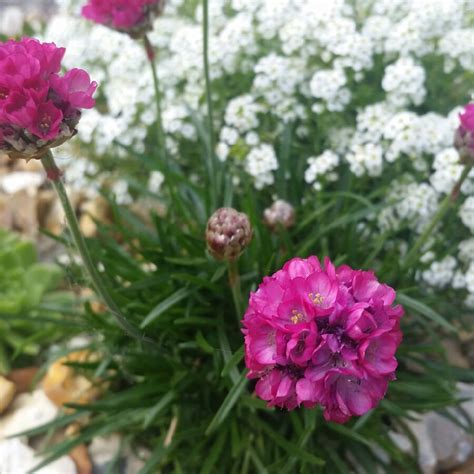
column 150, row 53
column 445, row 206
column 54, row 175
column 165, row 164
column 210, row 113
column 234, row 283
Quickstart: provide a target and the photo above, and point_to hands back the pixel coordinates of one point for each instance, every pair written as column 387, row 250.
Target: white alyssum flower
column 155, row 181
column 120, row 190
column 366, row 159
column 447, row 170
column 242, row 113
column 404, row 82
column 440, row 273
column 469, row 278
column 328, row 86
column 222, row 151
column 466, row 250
column 466, row 213
column 260, row 163
column 321, row 168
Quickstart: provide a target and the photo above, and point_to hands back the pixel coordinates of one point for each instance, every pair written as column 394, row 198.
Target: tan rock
column 23, row 208
column 23, row 378
column 454, row 354
column 6, row 215
column 82, row 460
column 97, row 209
column 7, row 393
column 63, row 385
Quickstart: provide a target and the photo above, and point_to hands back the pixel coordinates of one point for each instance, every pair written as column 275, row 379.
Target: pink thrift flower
column 322, row 335
column 467, row 118
column 134, row 17
column 464, row 137
column 39, row 108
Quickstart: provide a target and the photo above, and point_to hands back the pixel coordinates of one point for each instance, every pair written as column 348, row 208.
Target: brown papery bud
column 228, row 233
column 279, row 213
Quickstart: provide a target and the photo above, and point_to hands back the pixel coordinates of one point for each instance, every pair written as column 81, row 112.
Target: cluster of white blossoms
column 260, row 163
column 403, row 82
column 409, row 204
column 466, row 213
column 366, row 158
column 352, row 84
column 327, row 85
column 321, row 168
column 440, row 274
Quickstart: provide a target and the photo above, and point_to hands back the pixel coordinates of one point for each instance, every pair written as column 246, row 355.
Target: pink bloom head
column 464, row 137
column 134, row 17
column 316, row 334
column 39, row 108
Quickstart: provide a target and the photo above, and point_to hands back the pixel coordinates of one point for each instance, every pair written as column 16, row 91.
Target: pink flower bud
column 228, row 234
column 279, row 213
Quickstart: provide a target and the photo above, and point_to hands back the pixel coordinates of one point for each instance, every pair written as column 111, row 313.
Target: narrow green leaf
column 228, row 404
column 213, row 455
column 165, row 305
column 236, row 357
column 291, row 448
column 424, row 310
column 349, row 433
column 155, row 411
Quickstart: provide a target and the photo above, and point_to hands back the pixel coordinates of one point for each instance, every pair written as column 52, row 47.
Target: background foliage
column 187, row 399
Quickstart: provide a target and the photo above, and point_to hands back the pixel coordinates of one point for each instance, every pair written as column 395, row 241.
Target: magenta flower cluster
column 464, row 138
column 322, row 335
column 39, row 107
column 467, row 118
column 128, row 16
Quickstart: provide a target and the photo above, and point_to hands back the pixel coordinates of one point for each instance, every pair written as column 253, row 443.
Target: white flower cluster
column 353, row 85
column 403, row 82
column 447, row 171
column 260, row 163
column 321, row 168
column 328, row 86
column 242, row 113
column 466, row 213
column 277, row 80
column 440, row 274
column 412, row 204
column 366, row 159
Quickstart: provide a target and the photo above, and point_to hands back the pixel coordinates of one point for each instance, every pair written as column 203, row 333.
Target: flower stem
column 54, row 175
column 445, row 206
column 150, row 53
column 207, row 76
column 165, row 164
column 234, row 283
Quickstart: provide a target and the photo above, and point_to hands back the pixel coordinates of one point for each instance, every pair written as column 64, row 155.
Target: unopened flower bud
column 280, row 213
column 464, row 137
column 228, row 233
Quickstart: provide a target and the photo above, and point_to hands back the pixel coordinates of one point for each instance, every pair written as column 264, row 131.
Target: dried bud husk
column 280, row 213
column 228, row 233
column 18, row 143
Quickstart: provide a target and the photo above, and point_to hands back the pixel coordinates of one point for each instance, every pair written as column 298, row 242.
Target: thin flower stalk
column 54, row 175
